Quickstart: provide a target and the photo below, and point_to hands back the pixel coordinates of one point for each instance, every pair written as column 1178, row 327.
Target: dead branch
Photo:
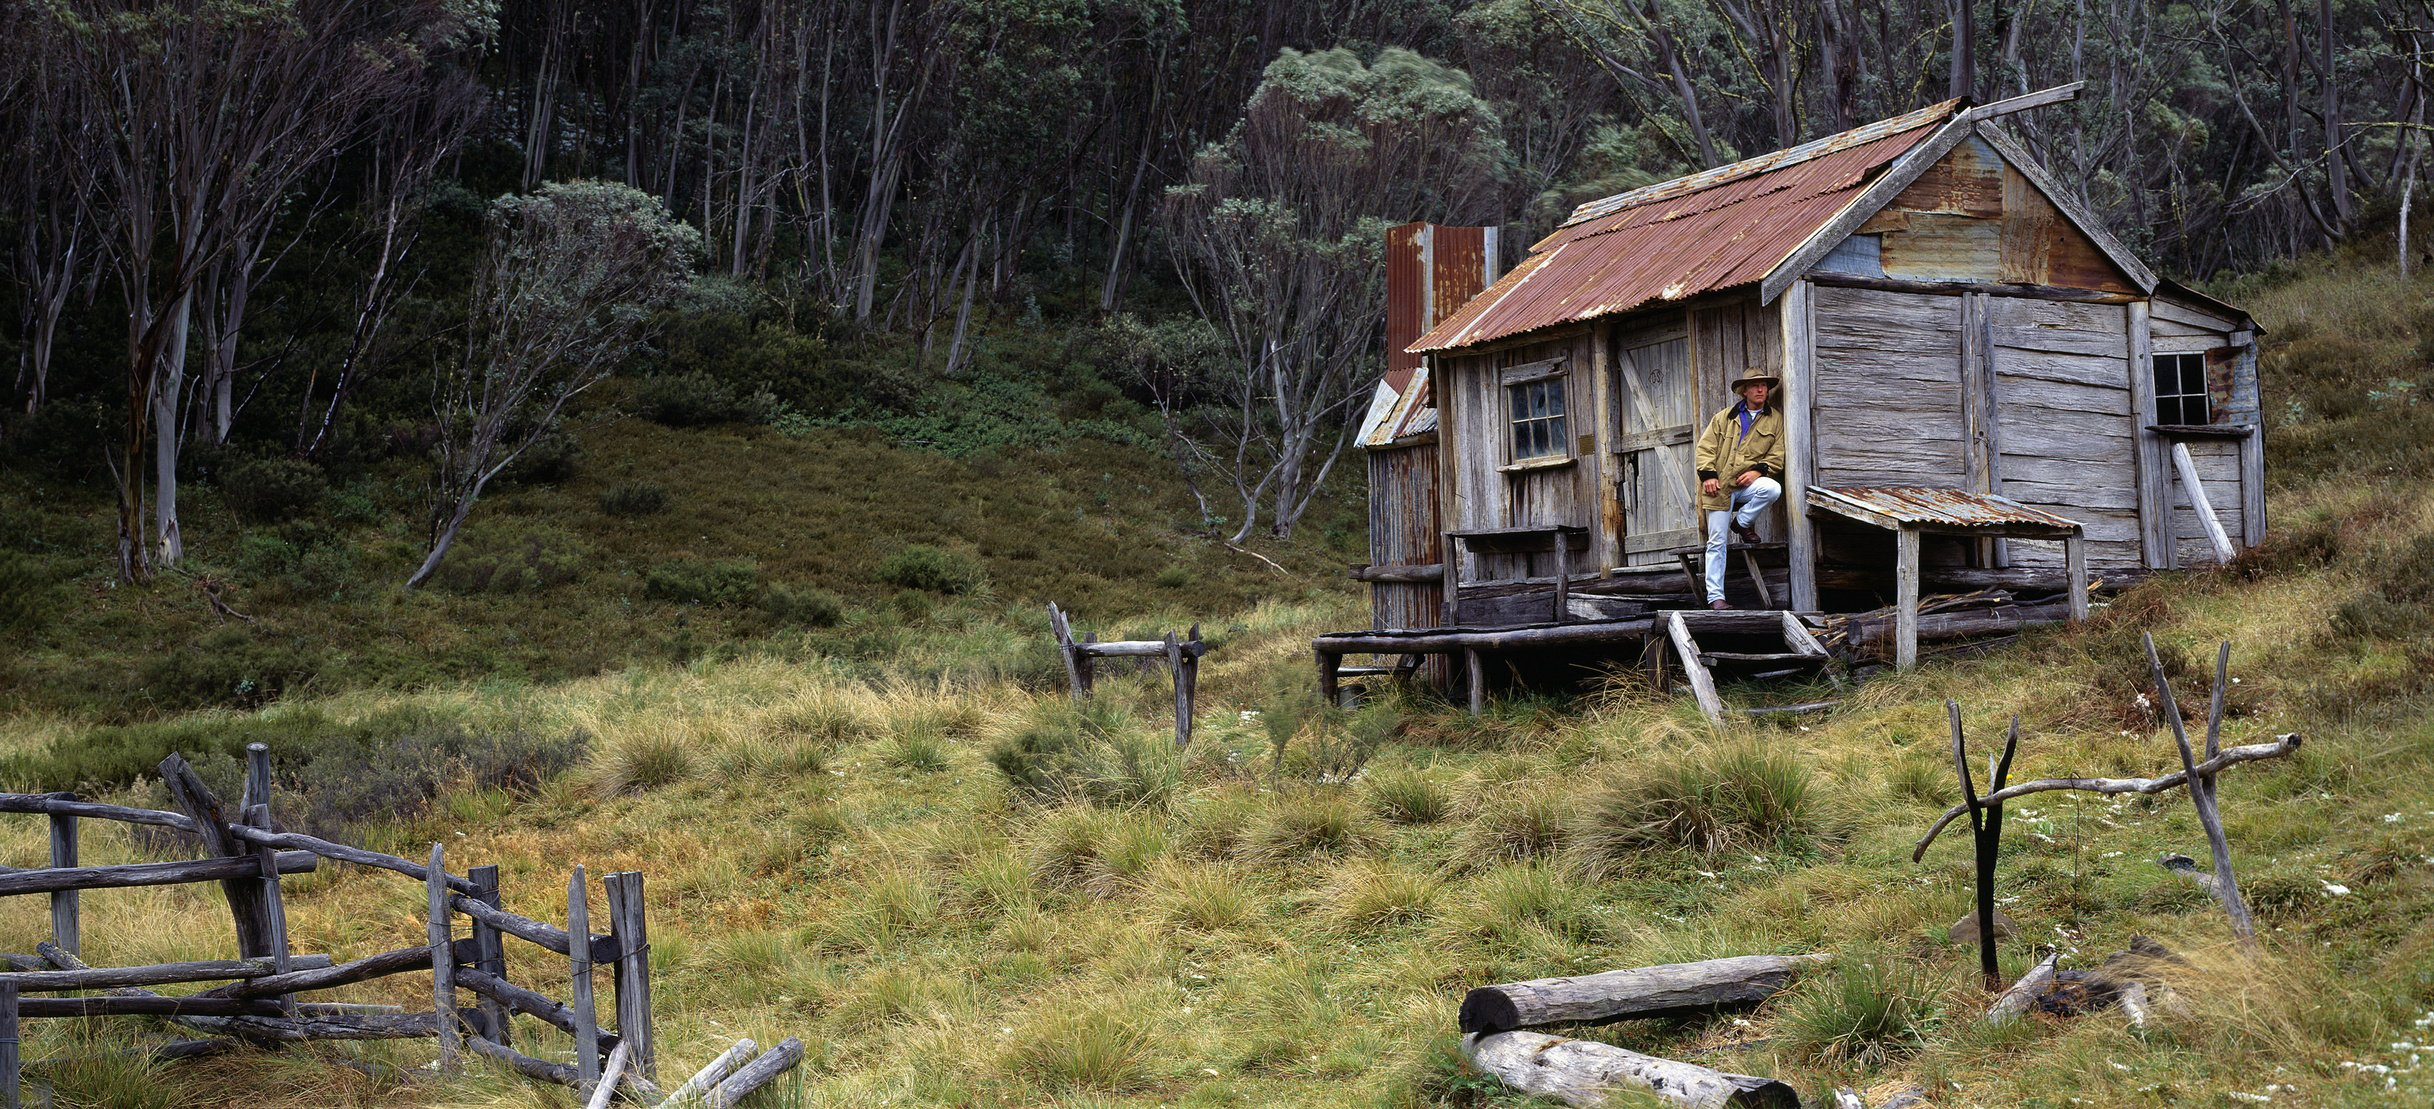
column 2231, row 756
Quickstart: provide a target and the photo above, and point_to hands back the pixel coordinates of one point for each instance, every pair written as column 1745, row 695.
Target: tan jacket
column 1725, row 453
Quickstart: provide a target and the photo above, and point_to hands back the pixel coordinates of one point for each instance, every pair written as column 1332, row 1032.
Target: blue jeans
column 1748, row 501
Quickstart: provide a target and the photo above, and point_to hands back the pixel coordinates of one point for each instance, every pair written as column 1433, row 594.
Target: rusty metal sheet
column 1951, row 508
column 1407, row 314
column 1715, row 230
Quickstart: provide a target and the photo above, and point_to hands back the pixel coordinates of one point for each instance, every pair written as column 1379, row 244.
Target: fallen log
column 1583, row 1073
column 2024, row 992
column 711, row 1074
column 1668, row 990
column 756, row 1074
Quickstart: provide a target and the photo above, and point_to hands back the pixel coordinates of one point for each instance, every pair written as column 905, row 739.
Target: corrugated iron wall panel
column 1407, row 314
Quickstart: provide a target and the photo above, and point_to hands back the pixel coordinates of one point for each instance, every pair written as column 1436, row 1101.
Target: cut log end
column 1487, row 1011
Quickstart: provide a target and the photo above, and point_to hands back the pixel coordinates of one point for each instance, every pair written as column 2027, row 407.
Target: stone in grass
column 1965, row 930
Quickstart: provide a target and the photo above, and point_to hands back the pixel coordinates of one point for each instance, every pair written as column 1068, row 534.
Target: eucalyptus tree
column 564, row 290
column 1278, row 237
column 203, row 118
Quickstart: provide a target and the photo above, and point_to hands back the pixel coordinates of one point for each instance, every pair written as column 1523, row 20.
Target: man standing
column 1740, row 454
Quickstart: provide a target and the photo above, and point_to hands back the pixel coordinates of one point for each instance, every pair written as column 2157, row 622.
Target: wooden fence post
column 579, row 966
column 633, row 976
column 1187, row 688
column 11, row 1067
column 443, row 960
column 66, row 925
column 1063, row 630
column 490, row 953
column 247, row 900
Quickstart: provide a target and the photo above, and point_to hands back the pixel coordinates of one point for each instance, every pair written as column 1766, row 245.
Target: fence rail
column 247, row 854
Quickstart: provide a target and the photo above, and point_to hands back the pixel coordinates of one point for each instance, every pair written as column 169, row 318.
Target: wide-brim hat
column 1772, row 382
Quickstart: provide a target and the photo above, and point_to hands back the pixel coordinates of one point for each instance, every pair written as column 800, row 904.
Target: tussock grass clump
column 1510, row 899
column 920, row 747
column 1733, row 796
column 1520, row 822
column 1375, row 893
column 1865, row 1011
column 1091, row 751
column 1203, row 897
column 1105, row 1048
column 642, row 761
column 1216, row 824
column 1922, row 780
column 1407, row 797
column 1096, row 851
column 1303, row 825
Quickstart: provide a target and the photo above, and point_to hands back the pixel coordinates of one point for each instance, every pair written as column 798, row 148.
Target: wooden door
column 1656, row 425
column 2066, row 432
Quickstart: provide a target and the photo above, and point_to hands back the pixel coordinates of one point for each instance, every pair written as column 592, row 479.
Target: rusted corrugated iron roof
column 1727, row 226
column 1944, row 508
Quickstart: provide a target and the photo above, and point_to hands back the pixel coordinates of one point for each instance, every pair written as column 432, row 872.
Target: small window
column 2180, row 389
column 1538, row 418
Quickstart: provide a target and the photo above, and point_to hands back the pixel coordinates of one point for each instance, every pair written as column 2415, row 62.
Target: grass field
column 1287, row 913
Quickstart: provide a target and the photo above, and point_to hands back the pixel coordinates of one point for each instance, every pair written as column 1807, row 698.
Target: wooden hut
column 1981, row 386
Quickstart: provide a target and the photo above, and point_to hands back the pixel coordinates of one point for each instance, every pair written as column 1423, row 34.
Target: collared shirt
column 1746, row 416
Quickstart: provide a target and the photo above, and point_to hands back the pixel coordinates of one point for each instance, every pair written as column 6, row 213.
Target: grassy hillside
column 643, row 543
column 1286, row 914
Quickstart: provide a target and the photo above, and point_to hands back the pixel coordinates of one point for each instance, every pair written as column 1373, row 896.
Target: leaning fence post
column 489, row 952
column 246, row 897
column 66, row 925
column 443, row 960
column 633, row 976
column 579, row 966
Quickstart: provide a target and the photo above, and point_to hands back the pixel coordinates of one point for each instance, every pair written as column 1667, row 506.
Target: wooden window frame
column 1550, row 374
column 2172, row 406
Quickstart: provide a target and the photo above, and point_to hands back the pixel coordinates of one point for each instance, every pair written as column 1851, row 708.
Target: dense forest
column 259, row 244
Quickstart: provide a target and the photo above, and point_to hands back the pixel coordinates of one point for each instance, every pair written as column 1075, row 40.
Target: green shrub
column 529, row 560
column 723, row 582
column 699, row 400
column 634, row 499
column 1868, row 1009
column 235, row 667
column 552, row 458
column 921, row 566
column 1174, row 577
column 299, row 558
column 271, row 490
column 26, row 600
column 1520, row 824
column 1737, row 796
column 802, row 606
column 332, row 776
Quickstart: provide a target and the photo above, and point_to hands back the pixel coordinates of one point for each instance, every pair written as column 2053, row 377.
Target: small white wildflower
column 2336, row 889
column 2391, row 818
column 2112, row 854
column 2242, row 1095
column 1707, row 874
column 2117, row 1065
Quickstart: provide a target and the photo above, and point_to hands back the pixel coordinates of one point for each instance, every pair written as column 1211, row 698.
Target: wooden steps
column 1801, row 652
